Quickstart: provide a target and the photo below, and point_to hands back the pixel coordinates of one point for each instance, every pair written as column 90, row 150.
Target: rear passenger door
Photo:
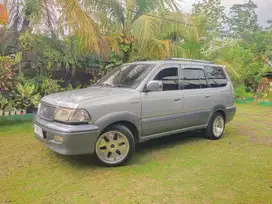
column 197, row 100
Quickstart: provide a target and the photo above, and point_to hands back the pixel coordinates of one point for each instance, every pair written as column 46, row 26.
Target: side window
column 169, row 78
column 190, row 79
column 216, row 77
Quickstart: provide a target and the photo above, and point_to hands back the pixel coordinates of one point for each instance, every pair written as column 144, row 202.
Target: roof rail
column 190, row 60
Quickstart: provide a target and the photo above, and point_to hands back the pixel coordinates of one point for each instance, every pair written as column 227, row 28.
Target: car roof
column 187, row 62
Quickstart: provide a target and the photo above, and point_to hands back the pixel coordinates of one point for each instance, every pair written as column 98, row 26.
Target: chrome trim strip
column 143, row 139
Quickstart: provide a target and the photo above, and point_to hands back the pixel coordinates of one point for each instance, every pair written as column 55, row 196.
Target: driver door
column 161, row 110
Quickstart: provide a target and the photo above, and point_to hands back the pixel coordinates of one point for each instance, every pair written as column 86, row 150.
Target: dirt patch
column 264, row 140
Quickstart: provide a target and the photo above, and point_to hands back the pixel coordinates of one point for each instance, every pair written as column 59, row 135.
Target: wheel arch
column 130, row 120
column 219, row 108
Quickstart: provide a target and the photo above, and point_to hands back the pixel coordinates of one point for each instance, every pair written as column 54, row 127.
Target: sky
column 264, row 10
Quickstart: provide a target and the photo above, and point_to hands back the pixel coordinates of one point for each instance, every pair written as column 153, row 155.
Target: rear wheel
column 115, row 146
column 216, row 127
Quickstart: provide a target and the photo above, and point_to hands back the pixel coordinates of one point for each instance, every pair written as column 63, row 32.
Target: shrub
column 240, row 92
column 26, row 96
column 3, row 102
column 45, row 85
column 267, row 94
column 6, row 75
column 49, row 86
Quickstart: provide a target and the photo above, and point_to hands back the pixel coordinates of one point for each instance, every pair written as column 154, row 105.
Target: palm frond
column 145, row 27
column 179, row 23
column 113, row 44
column 107, row 26
column 152, row 48
column 178, row 51
column 44, row 18
column 113, row 9
column 15, row 8
column 155, row 5
column 78, row 22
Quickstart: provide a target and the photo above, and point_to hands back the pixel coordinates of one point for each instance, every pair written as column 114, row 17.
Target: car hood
column 71, row 99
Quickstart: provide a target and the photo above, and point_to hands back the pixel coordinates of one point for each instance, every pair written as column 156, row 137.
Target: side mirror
column 154, row 86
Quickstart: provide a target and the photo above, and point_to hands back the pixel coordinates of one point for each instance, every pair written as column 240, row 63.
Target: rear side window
column 193, row 79
column 216, row 77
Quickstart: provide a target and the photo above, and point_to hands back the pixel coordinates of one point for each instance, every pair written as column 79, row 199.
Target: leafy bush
column 8, row 107
column 267, row 94
column 45, row 85
column 6, row 74
column 241, row 65
column 49, row 86
column 26, row 96
column 47, row 54
column 240, row 92
column 3, row 102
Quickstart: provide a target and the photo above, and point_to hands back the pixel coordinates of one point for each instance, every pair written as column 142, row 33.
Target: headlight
column 71, row 115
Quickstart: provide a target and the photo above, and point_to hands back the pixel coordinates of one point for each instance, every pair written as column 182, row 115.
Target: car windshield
column 128, row 75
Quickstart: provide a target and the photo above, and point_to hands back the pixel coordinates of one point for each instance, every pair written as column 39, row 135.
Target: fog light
column 58, row 138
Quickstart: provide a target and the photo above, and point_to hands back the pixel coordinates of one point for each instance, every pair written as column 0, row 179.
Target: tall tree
column 269, row 27
column 213, row 16
column 243, row 19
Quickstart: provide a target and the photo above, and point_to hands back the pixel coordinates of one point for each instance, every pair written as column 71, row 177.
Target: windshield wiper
column 112, row 85
column 122, row 86
column 105, row 85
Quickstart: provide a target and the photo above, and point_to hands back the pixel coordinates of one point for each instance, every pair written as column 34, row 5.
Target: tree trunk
column 26, row 20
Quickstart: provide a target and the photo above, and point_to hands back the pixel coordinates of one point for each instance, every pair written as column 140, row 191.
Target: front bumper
column 77, row 139
column 230, row 113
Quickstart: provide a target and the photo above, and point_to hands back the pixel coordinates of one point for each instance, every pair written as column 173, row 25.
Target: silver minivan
column 134, row 103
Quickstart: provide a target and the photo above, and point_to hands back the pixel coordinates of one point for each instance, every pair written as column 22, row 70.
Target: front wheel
column 115, row 146
column 216, row 127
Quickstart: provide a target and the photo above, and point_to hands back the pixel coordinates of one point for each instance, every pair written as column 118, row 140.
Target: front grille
column 47, row 111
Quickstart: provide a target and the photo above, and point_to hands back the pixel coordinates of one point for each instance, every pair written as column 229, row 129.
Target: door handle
column 207, row 96
column 177, row 100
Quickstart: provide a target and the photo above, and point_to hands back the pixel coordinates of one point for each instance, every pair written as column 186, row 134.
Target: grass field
column 182, row 168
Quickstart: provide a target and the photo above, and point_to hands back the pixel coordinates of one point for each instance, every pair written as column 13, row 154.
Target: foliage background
column 70, row 43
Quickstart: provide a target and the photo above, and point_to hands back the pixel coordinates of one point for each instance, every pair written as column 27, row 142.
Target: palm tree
column 55, row 17
column 133, row 26
column 144, row 26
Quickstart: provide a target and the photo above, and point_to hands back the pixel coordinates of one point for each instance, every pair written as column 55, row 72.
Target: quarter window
column 216, row 77
column 169, row 78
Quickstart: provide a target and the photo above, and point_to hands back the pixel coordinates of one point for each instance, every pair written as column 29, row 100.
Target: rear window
column 216, row 77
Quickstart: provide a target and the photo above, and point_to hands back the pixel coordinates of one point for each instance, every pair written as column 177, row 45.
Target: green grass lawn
column 183, row 168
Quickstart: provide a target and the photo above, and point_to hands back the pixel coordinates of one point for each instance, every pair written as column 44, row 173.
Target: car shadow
column 89, row 161
column 4, row 123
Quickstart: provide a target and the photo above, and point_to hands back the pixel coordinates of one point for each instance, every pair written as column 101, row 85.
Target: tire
column 115, row 146
column 215, row 131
